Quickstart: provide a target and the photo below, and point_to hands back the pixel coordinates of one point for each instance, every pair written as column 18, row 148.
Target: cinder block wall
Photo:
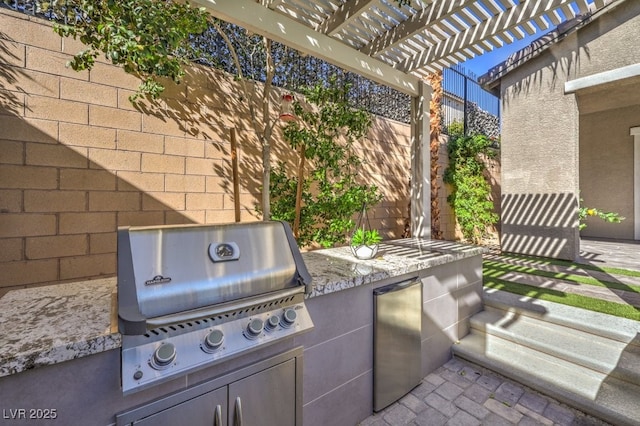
column 77, row 159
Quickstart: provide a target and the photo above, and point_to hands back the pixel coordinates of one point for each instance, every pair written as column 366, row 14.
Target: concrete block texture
column 25, row 225
column 42, row 270
column 78, row 159
column 28, row 129
column 10, row 200
column 13, row 152
column 89, row 93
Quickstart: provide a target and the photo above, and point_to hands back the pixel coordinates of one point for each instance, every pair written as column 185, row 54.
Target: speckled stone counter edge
column 48, row 325
column 337, row 269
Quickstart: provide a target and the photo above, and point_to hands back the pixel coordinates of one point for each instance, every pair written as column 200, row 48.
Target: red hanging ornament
column 286, row 108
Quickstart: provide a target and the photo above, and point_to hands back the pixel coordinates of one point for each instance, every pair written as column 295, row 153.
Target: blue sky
column 483, row 63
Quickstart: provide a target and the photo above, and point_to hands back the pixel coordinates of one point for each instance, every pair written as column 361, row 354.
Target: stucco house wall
column 607, row 165
column 542, row 136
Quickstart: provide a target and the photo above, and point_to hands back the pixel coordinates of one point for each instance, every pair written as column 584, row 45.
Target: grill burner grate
column 168, row 331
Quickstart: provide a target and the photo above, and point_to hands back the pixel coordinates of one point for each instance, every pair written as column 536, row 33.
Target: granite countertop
column 47, row 325
column 337, row 269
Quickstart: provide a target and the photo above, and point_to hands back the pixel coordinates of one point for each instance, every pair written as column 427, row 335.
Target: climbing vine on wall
column 470, row 195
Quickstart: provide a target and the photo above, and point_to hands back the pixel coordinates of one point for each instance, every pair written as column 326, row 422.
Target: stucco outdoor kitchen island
column 60, row 349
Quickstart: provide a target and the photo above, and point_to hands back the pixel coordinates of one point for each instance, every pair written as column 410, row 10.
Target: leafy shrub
column 470, row 193
column 331, row 191
column 584, row 212
column 149, row 38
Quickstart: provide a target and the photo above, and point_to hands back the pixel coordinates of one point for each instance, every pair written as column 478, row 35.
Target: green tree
column 470, row 193
column 325, row 193
column 150, row 39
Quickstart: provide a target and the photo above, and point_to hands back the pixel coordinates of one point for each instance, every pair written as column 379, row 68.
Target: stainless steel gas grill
column 192, row 296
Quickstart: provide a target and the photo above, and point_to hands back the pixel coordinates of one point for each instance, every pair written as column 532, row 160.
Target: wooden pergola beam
column 275, row 26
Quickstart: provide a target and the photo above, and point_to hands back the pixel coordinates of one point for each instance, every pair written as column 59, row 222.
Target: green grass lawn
column 544, row 261
column 493, row 271
column 500, row 268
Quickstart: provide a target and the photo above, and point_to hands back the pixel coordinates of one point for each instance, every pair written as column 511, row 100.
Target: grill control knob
column 254, row 328
column 163, row 356
column 272, row 322
column 213, row 341
column 288, row 318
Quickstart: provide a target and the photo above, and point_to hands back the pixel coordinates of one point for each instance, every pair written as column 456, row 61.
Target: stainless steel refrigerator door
column 397, row 354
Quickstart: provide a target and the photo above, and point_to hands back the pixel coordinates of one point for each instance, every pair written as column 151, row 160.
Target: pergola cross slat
column 426, row 34
column 509, row 20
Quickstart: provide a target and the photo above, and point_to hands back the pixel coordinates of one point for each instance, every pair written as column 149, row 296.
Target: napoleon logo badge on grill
column 158, row 279
column 222, row 252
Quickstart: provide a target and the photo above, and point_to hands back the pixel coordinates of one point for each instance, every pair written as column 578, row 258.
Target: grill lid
column 176, row 269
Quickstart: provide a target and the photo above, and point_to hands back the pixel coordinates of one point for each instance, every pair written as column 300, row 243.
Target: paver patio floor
column 463, row 394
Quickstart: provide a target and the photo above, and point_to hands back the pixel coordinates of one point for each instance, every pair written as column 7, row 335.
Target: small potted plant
column 364, row 243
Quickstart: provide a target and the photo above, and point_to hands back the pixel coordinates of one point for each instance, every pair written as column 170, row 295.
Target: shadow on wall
column 540, row 225
column 59, row 210
column 387, row 165
column 206, row 106
column 210, row 105
column 545, row 77
column 10, row 102
column 565, row 59
column 67, row 181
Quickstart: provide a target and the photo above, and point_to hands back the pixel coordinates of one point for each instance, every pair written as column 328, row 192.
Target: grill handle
column 217, row 418
column 238, row 412
column 303, row 276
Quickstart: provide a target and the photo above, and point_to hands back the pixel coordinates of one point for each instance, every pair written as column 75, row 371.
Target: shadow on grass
column 575, row 284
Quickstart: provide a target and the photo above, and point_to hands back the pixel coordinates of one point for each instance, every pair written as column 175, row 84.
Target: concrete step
column 588, row 360
column 601, row 395
column 615, row 328
column 589, row 350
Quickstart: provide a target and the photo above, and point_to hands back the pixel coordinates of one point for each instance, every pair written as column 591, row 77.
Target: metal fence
column 464, row 99
column 295, row 70
column 54, row 10
column 467, row 103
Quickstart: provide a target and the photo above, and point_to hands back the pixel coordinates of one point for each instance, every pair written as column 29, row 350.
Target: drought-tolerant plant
column 325, row 193
column 365, row 237
column 470, row 195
